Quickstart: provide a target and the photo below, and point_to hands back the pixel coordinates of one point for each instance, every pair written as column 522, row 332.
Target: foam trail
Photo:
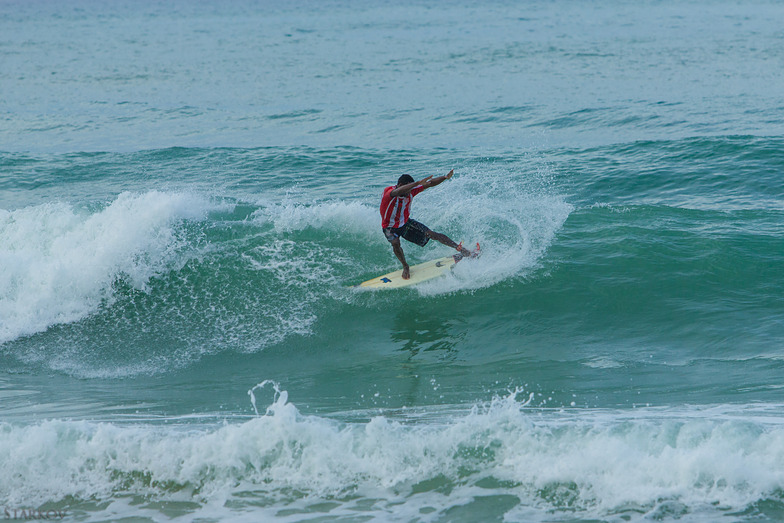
column 58, row 263
column 514, row 217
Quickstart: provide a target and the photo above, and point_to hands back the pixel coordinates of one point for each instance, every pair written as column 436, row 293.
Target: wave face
column 189, row 193
column 222, row 270
column 238, row 264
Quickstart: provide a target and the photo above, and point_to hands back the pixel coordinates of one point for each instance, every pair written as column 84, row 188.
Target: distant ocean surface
column 188, row 191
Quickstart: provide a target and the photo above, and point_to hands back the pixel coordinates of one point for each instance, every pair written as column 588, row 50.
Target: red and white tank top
column 395, row 211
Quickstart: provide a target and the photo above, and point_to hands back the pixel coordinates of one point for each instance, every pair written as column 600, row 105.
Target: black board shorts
column 412, row 231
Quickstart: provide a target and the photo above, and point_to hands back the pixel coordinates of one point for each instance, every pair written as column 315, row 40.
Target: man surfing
column 395, row 221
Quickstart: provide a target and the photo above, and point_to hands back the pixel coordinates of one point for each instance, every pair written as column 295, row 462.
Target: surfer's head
column 403, row 180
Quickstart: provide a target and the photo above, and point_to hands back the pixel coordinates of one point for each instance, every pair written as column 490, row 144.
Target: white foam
column 58, row 262
column 345, row 216
column 603, row 362
column 588, row 464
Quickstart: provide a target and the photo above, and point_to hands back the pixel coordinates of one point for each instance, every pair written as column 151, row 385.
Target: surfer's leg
column 393, row 237
column 398, row 250
column 443, row 238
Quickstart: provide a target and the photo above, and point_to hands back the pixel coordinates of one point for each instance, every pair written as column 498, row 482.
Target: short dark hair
column 406, row 178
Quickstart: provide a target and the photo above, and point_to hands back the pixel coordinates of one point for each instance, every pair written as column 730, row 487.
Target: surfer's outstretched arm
column 407, row 188
column 432, row 182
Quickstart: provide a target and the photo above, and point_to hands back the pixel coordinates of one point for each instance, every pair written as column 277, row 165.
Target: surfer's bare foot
column 406, row 273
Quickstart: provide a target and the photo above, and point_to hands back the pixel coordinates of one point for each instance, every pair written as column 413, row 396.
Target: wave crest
column 59, row 262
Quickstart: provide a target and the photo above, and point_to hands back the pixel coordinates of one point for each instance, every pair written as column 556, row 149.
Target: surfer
column 395, row 221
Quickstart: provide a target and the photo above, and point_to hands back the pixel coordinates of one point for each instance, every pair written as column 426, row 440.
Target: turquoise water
column 189, row 190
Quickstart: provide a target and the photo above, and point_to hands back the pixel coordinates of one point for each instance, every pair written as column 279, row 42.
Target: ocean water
column 188, row 191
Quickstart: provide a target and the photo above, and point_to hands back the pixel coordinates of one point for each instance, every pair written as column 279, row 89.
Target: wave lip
column 58, row 263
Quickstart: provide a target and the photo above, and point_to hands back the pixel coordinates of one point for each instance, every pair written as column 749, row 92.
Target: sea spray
column 280, row 398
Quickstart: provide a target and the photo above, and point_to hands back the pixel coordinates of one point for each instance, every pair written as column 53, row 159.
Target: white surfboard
column 419, row 273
